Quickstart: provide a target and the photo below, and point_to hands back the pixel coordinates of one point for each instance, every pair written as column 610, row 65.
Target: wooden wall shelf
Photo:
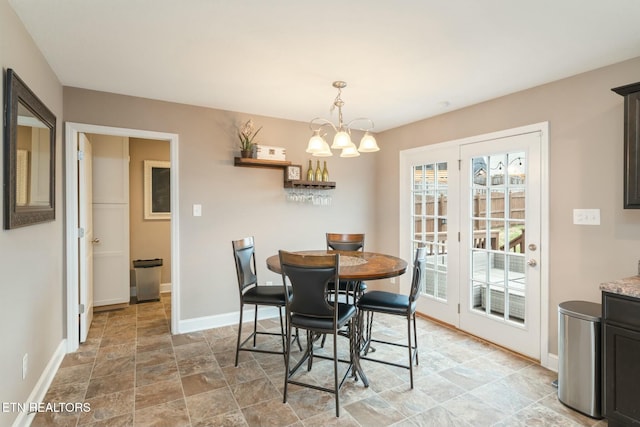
column 321, row 185
column 260, row 163
column 282, row 164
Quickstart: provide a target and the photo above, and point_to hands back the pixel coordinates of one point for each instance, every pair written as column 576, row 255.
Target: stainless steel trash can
column 579, row 360
column 147, row 278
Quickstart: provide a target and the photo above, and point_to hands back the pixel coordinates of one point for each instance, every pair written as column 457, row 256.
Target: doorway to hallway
column 75, row 288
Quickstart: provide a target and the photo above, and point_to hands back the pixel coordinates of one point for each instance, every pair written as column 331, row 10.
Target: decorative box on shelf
column 266, row 152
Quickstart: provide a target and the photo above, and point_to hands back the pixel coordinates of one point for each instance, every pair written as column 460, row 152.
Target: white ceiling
column 403, row 60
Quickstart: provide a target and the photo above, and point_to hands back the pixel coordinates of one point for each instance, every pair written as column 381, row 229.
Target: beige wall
column 236, row 202
column 586, row 159
column 585, row 120
column 31, row 258
column 148, row 238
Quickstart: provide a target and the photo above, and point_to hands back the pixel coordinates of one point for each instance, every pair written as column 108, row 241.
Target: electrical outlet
column 392, row 280
column 25, row 365
column 269, row 283
column 586, row 216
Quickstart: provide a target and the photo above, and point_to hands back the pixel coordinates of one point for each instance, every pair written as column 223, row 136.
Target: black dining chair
column 395, row 304
column 251, row 293
column 310, row 308
column 347, row 242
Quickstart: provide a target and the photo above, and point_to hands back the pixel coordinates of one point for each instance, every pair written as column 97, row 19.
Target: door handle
column 95, row 241
column 532, row 262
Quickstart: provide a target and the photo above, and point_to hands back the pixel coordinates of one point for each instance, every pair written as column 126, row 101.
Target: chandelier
column 319, row 147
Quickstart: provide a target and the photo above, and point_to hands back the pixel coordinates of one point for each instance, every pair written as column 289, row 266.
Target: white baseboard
column 226, row 319
column 552, row 362
column 113, row 301
column 43, row 384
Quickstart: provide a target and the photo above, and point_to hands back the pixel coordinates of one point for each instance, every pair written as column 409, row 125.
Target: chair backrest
column 309, row 276
column 345, row 242
column 418, row 273
column 245, row 257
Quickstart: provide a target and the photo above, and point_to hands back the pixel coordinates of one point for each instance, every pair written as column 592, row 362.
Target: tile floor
column 132, row 372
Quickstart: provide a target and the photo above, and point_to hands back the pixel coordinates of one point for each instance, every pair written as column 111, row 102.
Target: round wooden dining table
column 355, row 265
column 358, row 266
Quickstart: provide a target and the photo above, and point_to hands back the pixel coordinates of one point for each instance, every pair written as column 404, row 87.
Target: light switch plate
column 197, row 210
column 586, row 216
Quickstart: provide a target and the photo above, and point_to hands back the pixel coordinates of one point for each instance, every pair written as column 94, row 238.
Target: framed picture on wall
column 157, row 189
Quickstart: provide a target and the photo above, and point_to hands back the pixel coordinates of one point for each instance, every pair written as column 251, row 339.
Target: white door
column 434, row 181
column 85, row 219
column 470, row 202
column 111, row 219
column 500, row 200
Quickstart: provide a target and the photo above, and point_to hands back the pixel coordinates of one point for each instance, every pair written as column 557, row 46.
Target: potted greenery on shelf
column 247, row 134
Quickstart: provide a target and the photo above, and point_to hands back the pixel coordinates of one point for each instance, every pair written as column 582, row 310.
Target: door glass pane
column 479, row 266
column 516, row 168
column 480, row 171
column 496, row 204
column 430, row 193
column 417, row 203
column 497, row 169
column 429, row 175
column 418, row 178
column 497, row 245
column 442, row 203
column 479, row 203
column 516, row 287
column 515, row 232
column 516, row 203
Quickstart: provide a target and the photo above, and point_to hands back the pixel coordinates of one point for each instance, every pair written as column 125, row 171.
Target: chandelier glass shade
column 319, row 147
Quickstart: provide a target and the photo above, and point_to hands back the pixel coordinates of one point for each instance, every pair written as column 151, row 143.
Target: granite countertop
column 629, row 286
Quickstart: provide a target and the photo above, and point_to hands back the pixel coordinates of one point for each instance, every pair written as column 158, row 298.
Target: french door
column 476, row 205
column 500, row 232
column 434, row 182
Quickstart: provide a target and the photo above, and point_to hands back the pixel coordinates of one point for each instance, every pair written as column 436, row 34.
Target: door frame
column 71, row 220
column 404, row 226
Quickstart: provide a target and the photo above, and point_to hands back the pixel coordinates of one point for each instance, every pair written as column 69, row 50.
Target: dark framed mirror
column 29, row 156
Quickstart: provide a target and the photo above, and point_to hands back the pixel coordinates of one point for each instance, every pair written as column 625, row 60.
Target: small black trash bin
column 579, row 361
column 147, row 278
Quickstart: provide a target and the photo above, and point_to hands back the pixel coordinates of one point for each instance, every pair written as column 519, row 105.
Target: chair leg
column 297, row 339
column 282, row 334
column 335, row 373
column 309, row 350
column 287, row 359
column 239, row 332
column 368, row 333
column 354, row 346
column 255, row 324
column 409, row 347
column 415, row 338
